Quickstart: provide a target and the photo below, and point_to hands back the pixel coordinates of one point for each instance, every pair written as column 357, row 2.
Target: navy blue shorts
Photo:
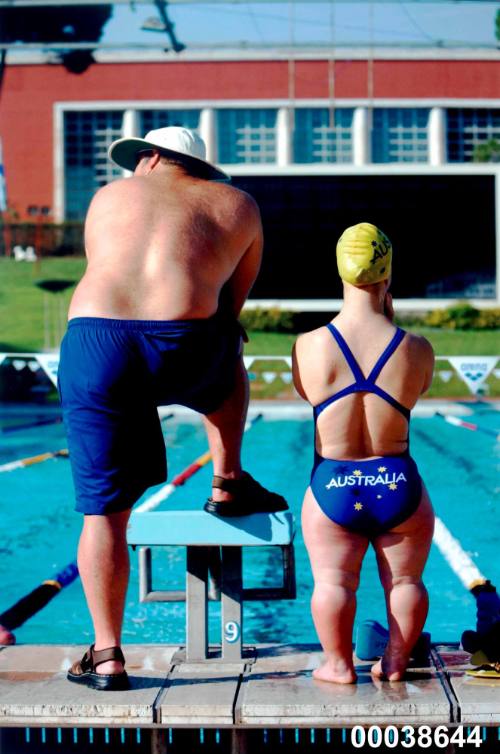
column 113, row 374
column 368, row 497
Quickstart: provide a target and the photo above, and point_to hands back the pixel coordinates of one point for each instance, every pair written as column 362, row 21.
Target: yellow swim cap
column 364, row 255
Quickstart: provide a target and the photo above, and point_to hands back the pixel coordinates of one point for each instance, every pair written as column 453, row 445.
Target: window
column 468, row 128
column 246, row 135
column 151, row 119
column 87, row 136
column 304, row 215
column 400, row 134
column 323, row 135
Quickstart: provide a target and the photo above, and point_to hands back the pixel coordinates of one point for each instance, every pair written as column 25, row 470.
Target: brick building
column 321, row 142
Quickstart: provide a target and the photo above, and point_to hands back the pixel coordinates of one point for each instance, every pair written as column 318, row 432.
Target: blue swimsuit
column 371, row 496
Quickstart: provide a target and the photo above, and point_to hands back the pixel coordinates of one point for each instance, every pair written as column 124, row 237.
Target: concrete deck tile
column 34, row 689
column 199, row 694
column 478, row 698
column 279, row 690
column 43, row 658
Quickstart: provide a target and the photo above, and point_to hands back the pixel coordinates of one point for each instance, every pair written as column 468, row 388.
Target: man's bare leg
column 103, row 563
column 225, row 428
column 401, row 557
column 336, row 556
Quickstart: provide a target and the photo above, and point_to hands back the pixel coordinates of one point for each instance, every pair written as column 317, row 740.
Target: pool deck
column 271, row 687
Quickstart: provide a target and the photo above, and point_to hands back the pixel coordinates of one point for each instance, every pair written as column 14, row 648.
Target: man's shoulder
column 115, row 189
column 235, row 194
column 234, row 205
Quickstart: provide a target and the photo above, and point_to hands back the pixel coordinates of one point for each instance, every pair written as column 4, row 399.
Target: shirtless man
column 172, row 255
column 365, row 487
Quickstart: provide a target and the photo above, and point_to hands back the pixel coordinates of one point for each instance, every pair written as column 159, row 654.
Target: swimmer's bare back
column 361, row 425
column 161, row 245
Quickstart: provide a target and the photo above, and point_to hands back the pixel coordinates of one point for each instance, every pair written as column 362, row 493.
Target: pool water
column 39, row 529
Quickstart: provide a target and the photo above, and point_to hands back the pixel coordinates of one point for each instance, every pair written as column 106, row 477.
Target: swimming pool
column 39, row 529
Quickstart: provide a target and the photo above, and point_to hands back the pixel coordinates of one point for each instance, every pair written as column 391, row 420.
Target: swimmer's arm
column 297, row 381
column 428, row 360
column 241, row 281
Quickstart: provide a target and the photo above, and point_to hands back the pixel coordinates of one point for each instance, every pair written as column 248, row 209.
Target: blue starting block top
column 198, row 528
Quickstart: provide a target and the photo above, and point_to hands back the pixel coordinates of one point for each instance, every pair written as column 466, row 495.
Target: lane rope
column 452, row 551
column 32, row 602
column 456, row 422
column 23, row 462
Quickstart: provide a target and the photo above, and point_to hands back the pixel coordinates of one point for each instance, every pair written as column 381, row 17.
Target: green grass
column 269, row 344
column 461, row 342
column 22, row 303
column 24, row 307
column 444, row 342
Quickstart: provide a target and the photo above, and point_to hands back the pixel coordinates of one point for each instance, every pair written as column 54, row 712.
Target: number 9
column 231, row 631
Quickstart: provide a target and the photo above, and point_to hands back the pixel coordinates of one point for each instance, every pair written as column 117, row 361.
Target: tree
column 488, row 151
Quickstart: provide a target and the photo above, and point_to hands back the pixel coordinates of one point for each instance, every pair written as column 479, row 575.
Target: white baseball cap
column 182, row 143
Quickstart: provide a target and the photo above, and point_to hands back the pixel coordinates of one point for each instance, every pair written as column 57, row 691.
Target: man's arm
column 247, row 269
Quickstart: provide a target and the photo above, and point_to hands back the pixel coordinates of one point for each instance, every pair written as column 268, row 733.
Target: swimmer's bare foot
column 390, row 668
column 336, row 671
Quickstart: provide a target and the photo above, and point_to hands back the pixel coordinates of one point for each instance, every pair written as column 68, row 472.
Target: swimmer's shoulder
column 312, row 358
column 313, row 363
column 312, row 342
column 420, row 353
column 419, row 345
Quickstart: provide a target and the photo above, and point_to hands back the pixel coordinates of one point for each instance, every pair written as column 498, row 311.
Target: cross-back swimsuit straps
column 368, row 496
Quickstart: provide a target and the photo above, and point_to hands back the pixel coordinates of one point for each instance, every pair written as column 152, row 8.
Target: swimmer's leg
column 103, row 563
column 401, row 557
column 224, row 428
column 336, row 555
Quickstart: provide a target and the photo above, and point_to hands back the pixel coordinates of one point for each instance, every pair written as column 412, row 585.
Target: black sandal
column 84, row 671
column 248, row 497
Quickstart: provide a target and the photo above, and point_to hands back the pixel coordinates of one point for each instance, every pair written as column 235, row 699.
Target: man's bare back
column 161, row 247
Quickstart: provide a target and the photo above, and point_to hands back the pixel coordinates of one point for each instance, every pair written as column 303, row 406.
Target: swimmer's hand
column 388, row 307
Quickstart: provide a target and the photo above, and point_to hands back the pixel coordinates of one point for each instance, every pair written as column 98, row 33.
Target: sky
column 290, row 23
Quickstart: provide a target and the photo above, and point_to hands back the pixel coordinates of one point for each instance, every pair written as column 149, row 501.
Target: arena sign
column 473, row 370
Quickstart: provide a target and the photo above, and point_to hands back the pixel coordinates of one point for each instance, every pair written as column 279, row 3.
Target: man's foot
column 335, row 672
column 109, row 677
column 247, row 497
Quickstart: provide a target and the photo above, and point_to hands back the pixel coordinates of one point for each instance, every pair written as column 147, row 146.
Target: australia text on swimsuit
column 365, row 480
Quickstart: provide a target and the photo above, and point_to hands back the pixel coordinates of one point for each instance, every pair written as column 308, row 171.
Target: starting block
column 214, row 567
column 372, row 638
